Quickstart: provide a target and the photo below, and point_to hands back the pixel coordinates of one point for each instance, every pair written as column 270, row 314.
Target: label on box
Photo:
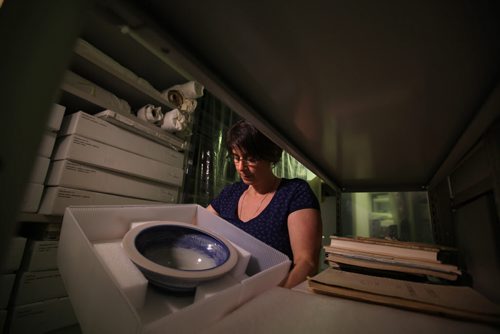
column 91, row 152
column 41, row 255
column 92, row 127
column 42, row 317
column 75, row 175
column 37, row 286
column 57, row 199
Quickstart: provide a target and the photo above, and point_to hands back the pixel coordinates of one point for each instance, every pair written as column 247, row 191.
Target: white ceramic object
column 178, row 256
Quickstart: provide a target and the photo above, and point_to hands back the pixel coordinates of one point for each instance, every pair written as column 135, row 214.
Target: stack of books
column 391, row 258
column 397, row 274
column 460, row 302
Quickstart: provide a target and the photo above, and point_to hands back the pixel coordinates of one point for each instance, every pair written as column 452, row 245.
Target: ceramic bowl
column 178, row 256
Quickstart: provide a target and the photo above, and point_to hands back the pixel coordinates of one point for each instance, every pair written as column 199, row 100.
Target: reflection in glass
column 403, row 216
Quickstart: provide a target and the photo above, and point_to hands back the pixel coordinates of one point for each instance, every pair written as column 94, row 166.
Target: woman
column 283, row 213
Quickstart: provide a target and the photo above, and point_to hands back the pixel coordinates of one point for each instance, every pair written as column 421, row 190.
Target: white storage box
column 13, row 256
column 37, row 286
column 6, row 285
column 56, row 199
column 92, row 127
column 75, row 175
column 40, row 255
column 47, row 144
column 101, row 304
column 32, row 197
column 55, row 117
column 91, row 152
column 39, row 171
column 143, row 128
column 42, row 317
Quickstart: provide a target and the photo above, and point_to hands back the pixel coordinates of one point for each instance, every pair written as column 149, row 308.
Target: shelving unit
column 107, row 35
column 90, row 62
column 125, row 72
column 112, row 60
column 38, row 218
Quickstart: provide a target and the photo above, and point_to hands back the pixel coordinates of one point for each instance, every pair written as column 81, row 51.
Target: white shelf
column 37, row 218
column 102, row 70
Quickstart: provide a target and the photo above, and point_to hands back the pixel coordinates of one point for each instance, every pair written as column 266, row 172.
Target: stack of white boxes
column 97, row 163
column 34, row 188
column 39, row 302
column 12, row 261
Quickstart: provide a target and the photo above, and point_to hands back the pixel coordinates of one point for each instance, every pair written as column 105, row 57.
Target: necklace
column 260, row 203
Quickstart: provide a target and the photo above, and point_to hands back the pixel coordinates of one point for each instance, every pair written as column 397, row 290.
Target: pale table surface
column 280, row 310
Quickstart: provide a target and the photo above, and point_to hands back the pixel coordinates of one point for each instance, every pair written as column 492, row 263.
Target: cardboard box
column 42, row 317
column 101, row 304
column 99, row 130
column 75, row 175
column 56, row 199
column 40, row 168
column 13, row 255
column 37, row 286
column 40, row 255
column 55, row 117
column 91, row 152
column 32, row 197
column 47, row 144
column 6, row 285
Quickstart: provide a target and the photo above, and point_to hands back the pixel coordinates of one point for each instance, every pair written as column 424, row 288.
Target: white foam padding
column 129, row 278
column 235, row 276
column 211, row 288
column 239, row 270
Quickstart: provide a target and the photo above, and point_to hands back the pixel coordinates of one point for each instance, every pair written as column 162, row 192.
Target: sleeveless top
column 270, row 226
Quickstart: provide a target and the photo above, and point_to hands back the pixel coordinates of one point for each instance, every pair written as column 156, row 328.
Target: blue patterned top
column 270, row 226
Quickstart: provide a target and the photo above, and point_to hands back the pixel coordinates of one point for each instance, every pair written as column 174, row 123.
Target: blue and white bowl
column 178, row 256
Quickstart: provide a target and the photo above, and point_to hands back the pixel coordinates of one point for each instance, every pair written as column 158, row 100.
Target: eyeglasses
column 249, row 161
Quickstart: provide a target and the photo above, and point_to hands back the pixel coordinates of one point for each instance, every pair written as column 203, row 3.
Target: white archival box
column 99, row 298
column 41, row 317
column 32, row 197
column 39, row 170
column 88, row 151
column 40, row 255
column 47, row 144
column 13, row 255
column 56, row 199
column 102, row 131
column 71, row 174
column 55, row 117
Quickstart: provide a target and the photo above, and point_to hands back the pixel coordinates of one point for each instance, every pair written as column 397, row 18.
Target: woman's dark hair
column 245, row 137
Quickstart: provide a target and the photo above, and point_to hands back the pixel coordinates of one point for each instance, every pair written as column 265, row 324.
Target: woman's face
column 251, row 171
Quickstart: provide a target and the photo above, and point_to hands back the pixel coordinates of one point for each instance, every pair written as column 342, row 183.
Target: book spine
column 386, row 250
